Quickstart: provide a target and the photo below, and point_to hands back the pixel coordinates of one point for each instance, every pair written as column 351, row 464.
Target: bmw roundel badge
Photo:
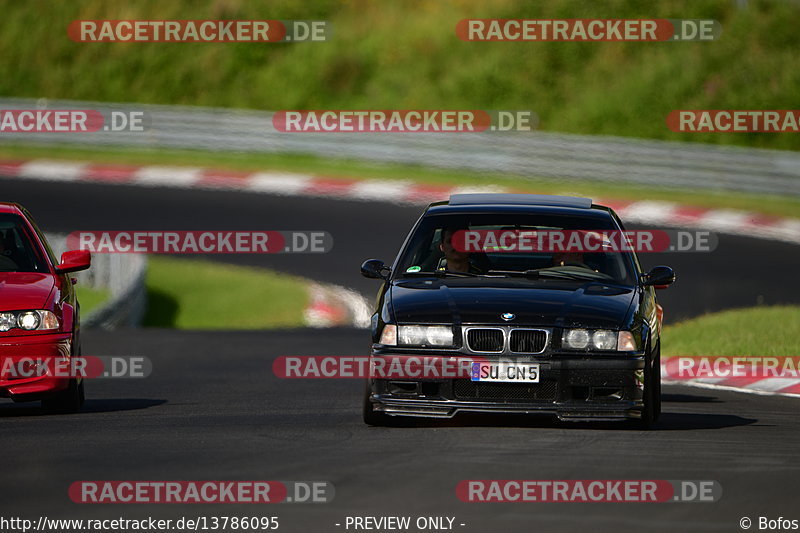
column 508, row 316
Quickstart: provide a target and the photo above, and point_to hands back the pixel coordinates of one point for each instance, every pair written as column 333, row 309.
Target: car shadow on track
column 690, row 421
column 689, row 398
column 91, row 406
column 667, row 422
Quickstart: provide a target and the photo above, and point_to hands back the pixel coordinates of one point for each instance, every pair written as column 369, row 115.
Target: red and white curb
column 749, row 384
column 394, row 191
column 334, row 305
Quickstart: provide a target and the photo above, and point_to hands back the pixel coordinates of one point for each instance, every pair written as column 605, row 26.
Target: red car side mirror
column 74, row 261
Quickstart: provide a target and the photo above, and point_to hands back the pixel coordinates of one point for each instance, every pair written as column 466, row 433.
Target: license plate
column 506, row 372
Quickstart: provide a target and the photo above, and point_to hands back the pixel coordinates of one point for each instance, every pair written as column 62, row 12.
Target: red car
column 39, row 316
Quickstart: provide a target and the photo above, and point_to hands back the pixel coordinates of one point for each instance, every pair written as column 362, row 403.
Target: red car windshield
column 18, row 252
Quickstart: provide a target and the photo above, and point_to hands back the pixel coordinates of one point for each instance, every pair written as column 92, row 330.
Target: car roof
column 10, row 207
column 520, row 199
column 518, row 203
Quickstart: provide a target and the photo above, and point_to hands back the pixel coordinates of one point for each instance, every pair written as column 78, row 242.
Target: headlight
column 604, row 340
column 28, row 320
column 7, row 321
column 425, row 335
column 577, row 339
column 40, row 320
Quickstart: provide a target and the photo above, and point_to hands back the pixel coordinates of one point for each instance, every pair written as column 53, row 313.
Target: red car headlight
column 40, row 319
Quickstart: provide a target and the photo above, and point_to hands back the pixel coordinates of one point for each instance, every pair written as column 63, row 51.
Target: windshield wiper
column 533, row 274
column 559, row 274
column 445, row 273
column 590, row 275
column 441, row 274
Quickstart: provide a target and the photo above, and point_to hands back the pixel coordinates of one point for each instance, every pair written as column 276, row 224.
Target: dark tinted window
column 425, row 249
column 18, row 251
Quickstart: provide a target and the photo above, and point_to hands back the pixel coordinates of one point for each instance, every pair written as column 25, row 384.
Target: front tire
column 370, row 415
column 70, row 400
column 657, row 382
column 651, row 396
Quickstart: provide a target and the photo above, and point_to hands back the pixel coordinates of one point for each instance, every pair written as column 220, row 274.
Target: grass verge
column 195, row 294
column 406, row 55
column 349, row 169
column 753, row 331
column 91, row 299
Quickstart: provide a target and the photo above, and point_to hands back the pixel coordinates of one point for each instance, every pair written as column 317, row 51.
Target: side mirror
column 74, row 261
column 660, row 277
column 373, row 268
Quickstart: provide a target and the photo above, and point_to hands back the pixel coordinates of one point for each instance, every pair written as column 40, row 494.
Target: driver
column 455, row 260
column 568, row 258
column 6, row 262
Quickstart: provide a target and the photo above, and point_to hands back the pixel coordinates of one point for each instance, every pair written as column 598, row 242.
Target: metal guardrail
column 533, row 154
column 123, row 275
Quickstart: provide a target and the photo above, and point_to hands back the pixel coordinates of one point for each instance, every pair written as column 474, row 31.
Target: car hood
column 24, row 290
column 478, row 301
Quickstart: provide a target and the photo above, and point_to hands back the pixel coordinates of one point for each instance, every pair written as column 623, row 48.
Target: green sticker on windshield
column 413, row 269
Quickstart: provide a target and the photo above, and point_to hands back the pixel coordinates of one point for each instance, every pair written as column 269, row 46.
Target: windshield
column 18, row 253
column 441, row 246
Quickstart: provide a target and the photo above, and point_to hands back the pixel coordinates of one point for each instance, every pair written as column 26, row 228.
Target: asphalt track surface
column 742, row 271
column 212, row 409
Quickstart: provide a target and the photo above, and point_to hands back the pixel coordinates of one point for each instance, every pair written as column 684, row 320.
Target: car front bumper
column 21, row 360
column 570, row 387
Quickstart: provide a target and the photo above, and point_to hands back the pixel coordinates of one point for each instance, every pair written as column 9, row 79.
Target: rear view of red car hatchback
column 39, row 316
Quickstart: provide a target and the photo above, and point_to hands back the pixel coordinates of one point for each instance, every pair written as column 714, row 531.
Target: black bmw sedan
column 535, row 303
